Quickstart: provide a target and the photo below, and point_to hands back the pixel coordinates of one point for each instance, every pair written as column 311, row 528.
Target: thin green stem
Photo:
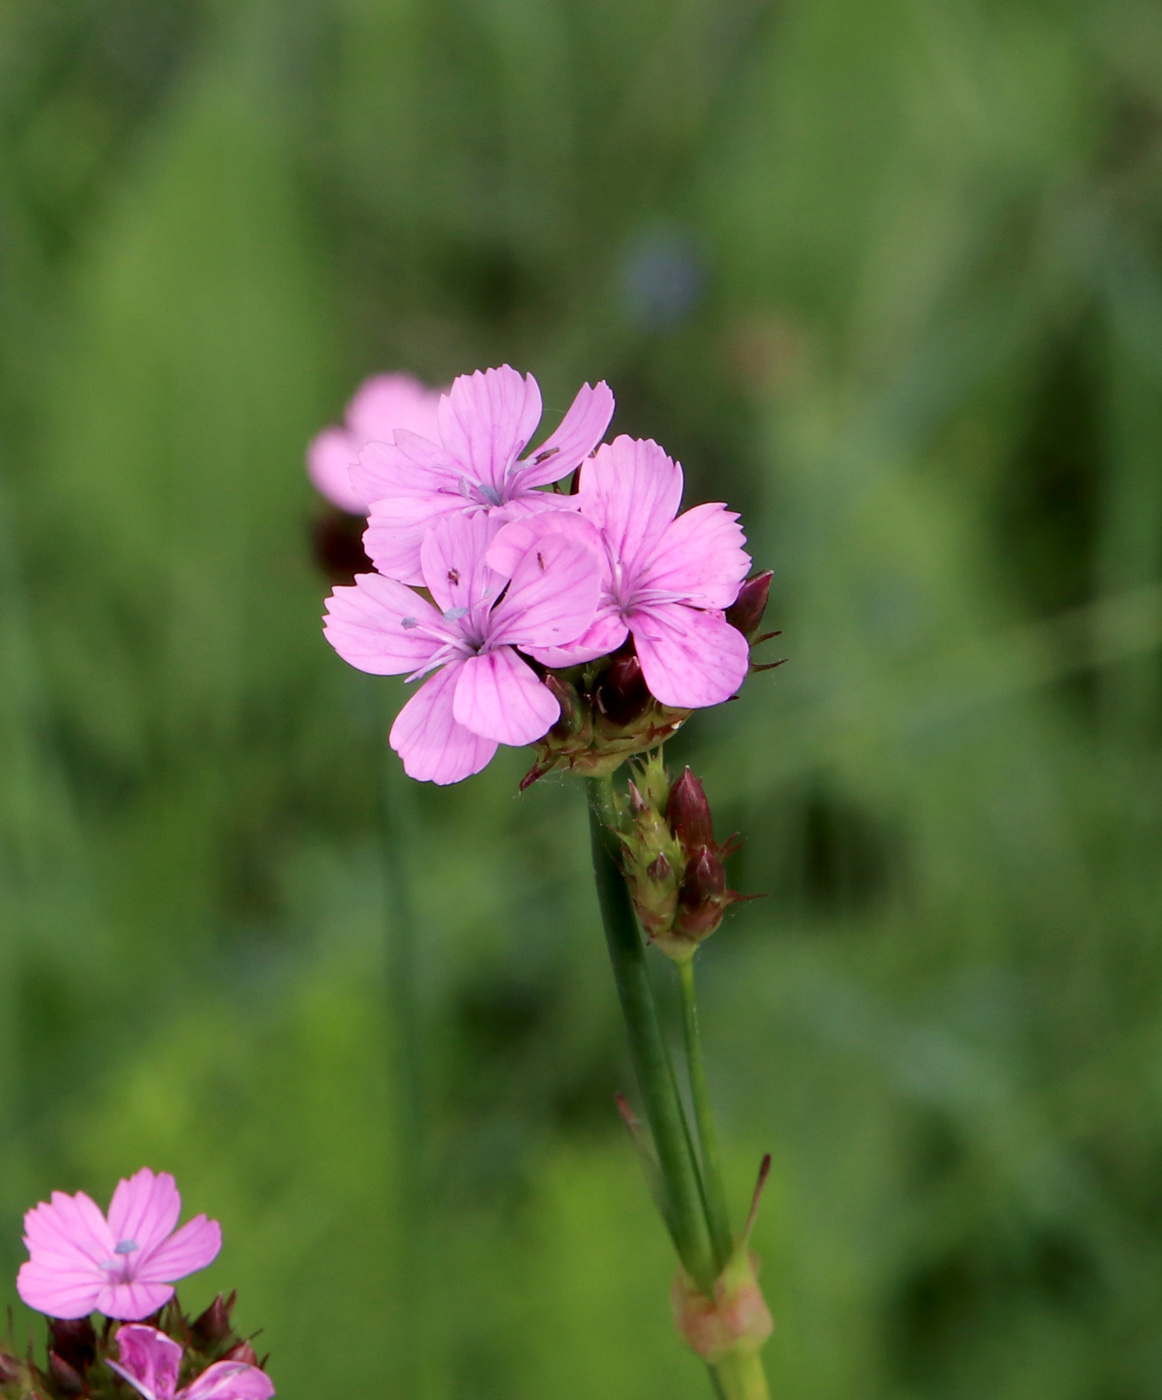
column 717, row 1215
column 740, row 1376
column 686, row 1214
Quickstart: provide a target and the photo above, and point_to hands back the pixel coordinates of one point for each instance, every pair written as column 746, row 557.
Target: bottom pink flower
column 150, row 1362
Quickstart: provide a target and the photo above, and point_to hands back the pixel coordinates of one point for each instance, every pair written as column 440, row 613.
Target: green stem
column 740, row 1376
column 651, row 1060
column 716, row 1212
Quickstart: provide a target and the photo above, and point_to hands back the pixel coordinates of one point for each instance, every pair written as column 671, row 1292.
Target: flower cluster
column 124, row 1265
column 516, row 601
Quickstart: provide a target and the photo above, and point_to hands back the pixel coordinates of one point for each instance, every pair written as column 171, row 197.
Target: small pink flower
column 482, row 693
column 380, row 406
column 124, row 1266
column 664, row 580
column 150, row 1362
column 486, row 421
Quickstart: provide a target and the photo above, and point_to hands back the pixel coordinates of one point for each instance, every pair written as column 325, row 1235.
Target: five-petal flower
column 486, row 420
column 124, row 1266
column 482, row 693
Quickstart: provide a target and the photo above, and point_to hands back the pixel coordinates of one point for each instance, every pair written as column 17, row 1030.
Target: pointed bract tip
column 688, row 813
column 745, row 614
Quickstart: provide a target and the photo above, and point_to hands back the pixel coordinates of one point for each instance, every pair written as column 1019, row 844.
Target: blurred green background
column 886, row 275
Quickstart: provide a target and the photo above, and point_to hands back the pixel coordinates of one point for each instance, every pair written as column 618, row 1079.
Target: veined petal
column 59, row 1292
column 148, row 1360
column 387, row 402
column 486, row 419
column 433, row 746
column 383, row 627
column 700, row 557
column 330, row 457
column 453, row 559
column 396, row 529
column 130, row 1302
column 194, row 1246
column 581, row 429
column 553, row 595
column 499, row 696
column 603, row 637
column 519, row 535
column 689, row 658
column 144, row 1209
column 229, row 1380
column 69, row 1230
column 632, row 491
column 409, row 467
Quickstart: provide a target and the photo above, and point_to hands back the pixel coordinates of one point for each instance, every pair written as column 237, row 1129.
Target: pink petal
column 553, row 595
column 149, row 1360
column 130, row 1302
column 59, row 1292
column 387, row 402
column 69, row 1232
column 581, row 429
column 413, row 467
column 194, row 1246
column 380, row 626
column 433, row 746
column 689, row 658
column 486, row 419
column 453, row 560
column 699, row 556
column 230, row 1380
column 515, row 540
column 144, row 1209
column 330, row 457
column 499, row 696
column 632, row 491
column 396, row 529
column 602, row 638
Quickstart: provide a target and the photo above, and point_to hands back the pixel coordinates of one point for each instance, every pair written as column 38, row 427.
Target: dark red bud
column 660, row 869
column 214, row 1324
column 243, row 1352
column 65, row 1376
column 74, row 1341
column 688, row 813
column 705, row 879
column 10, row 1368
column 622, row 694
column 746, row 612
column 337, row 542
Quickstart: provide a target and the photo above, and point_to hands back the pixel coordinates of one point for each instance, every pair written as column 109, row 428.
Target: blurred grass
column 886, row 276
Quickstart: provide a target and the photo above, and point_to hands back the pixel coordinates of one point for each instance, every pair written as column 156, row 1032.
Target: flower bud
column 622, row 695
column 10, row 1368
column 746, row 612
column 688, row 813
column 337, row 544
column 74, row 1341
column 573, row 716
column 243, row 1352
column 214, row 1325
column 69, row 1380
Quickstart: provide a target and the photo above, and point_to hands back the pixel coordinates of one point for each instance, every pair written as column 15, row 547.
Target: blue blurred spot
column 662, row 278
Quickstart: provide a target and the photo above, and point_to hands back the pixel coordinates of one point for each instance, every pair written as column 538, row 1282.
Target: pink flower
column 380, row 406
column 664, row 580
column 482, row 693
column 124, row 1266
column 150, row 1362
column 486, row 421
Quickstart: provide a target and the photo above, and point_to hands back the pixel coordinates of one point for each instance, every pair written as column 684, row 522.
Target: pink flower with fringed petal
column 124, row 1266
column 482, row 693
column 666, row 578
column 150, row 1361
column 486, row 422
column 380, row 406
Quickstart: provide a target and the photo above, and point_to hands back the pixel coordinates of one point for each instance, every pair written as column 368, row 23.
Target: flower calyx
column 673, row 866
column 607, row 716
column 745, row 615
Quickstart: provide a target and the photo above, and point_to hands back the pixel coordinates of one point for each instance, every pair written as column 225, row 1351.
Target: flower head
column 666, row 577
column 150, row 1361
column 482, row 693
column 124, row 1265
column 485, row 422
column 380, row 406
